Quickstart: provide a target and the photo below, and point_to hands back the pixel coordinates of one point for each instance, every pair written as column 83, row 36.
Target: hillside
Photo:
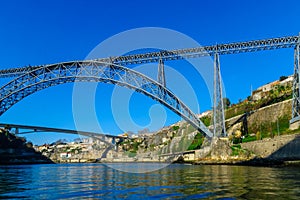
column 15, row 150
column 267, row 113
column 264, row 115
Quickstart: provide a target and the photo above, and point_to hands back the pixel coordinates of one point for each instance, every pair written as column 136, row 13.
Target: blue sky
column 44, row 32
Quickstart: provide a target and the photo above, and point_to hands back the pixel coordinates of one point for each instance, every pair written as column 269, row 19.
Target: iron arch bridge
column 94, row 71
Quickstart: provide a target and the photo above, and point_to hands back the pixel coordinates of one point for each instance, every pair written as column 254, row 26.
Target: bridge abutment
column 294, row 124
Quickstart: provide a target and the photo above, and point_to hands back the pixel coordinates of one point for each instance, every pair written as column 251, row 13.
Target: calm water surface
column 78, row 181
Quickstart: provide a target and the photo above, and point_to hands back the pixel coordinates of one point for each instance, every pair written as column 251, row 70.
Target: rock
column 221, row 149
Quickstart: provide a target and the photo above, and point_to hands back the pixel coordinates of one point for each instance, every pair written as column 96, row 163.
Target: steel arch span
column 94, row 71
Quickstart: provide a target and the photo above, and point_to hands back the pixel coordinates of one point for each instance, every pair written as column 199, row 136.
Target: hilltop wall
column 285, row 147
column 270, row 114
column 263, row 118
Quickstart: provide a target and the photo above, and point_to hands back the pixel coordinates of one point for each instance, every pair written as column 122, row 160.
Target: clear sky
column 45, row 32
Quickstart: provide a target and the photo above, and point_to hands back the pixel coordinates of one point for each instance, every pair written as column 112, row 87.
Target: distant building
column 264, row 90
column 65, row 155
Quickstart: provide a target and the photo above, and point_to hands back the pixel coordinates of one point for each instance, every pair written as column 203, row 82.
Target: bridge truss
column 169, row 55
column 94, row 71
column 166, row 97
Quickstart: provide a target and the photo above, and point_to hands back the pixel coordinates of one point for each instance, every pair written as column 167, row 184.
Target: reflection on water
column 174, row 181
column 137, row 168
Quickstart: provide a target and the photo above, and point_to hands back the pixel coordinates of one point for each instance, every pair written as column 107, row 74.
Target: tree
column 249, row 98
column 282, row 78
column 226, row 102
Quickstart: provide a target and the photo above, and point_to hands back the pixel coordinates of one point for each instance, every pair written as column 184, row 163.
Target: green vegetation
column 206, row 120
column 282, row 78
column 131, row 154
column 277, row 94
column 197, row 142
column 226, row 103
column 152, row 147
column 266, row 129
column 175, row 128
column 249, row 139
column 130, row 145
column 257, row 131
column 134, row 147
column 76, row 150
column 236, row 149
column 238, row 109
column 270, row 129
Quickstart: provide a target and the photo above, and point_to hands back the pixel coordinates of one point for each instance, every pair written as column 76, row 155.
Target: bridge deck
column 167, row 55
column 57, row 130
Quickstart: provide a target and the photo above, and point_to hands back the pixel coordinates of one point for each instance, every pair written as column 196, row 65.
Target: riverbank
column 278, row 151
column 281, row 150
column 258, row 162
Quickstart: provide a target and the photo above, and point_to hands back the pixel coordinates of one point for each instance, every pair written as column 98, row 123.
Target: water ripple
column 77, row 181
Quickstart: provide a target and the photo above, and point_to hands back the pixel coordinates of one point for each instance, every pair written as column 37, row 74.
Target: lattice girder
column 154, row 57
column 96, row 71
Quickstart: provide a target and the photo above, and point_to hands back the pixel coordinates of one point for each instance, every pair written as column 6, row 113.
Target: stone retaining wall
column 286, row 147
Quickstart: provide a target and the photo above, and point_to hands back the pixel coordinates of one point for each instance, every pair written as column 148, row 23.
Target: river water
column 78, row 181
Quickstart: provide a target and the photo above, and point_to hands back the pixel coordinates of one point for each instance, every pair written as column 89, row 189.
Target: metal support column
column 161, row 73
column 218, row 108
column 296, row 88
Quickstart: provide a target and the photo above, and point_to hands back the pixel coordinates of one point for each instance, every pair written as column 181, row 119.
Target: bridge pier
column 113, row 141
column 218, row 108
column 295, row 121
column 161, row 73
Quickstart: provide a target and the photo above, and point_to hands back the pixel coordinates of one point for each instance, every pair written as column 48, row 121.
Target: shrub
column 197, row 142
column 206, row 120
column 175, row 128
